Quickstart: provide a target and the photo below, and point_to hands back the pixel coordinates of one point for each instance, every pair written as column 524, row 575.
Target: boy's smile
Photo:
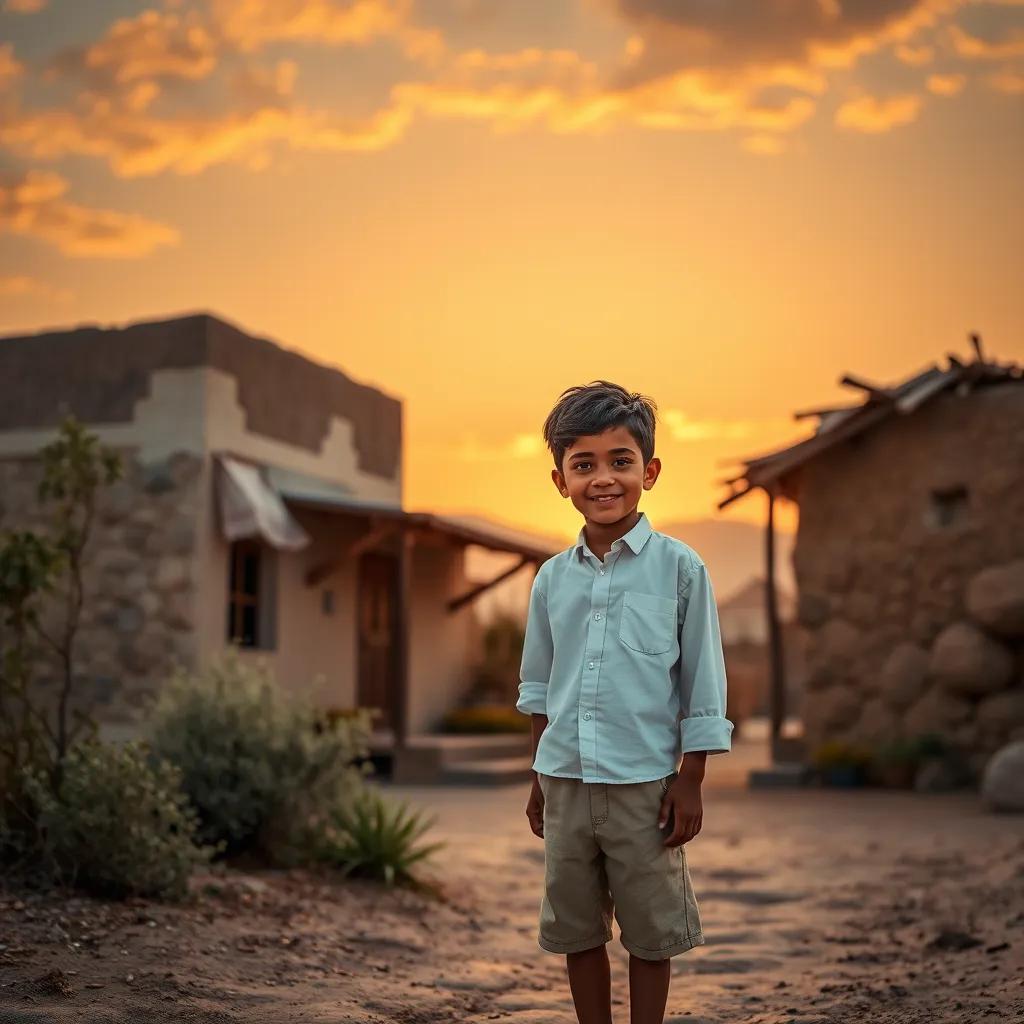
column 604, row 475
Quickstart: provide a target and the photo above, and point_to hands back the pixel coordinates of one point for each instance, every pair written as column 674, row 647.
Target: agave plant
column 371, row 837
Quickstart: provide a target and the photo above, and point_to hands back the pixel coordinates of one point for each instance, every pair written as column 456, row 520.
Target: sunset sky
column 474, row 204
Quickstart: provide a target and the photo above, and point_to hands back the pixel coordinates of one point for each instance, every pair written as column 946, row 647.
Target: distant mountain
column 733, row 552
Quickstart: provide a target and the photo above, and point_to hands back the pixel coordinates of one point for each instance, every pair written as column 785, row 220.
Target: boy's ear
column 651, row 472
column 559, row 482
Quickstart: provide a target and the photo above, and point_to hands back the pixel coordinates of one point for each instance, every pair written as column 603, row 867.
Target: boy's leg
column 576, row 908
column 654, row 902
column 648, row 989
column 590, row 981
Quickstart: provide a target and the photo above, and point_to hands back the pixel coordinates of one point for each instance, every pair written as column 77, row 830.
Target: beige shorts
column 603, row 853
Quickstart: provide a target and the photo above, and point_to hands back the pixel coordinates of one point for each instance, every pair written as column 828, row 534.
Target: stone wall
column 915, row 627
column 139, row 576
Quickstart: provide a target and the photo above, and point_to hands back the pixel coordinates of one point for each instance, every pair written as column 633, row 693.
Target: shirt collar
column 636, row 538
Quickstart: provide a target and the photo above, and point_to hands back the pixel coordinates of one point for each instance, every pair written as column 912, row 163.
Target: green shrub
column 840, row 754
column 371, row 838
column 485, row 718
column 118, row 823
column 257, row 764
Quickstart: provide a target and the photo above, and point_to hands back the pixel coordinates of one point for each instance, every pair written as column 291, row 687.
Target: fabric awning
column 250, row 507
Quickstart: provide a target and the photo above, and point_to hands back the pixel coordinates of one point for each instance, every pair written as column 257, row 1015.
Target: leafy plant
column 118, row 823
column 911, row 750
column 369, row 837
column 840, row 754
column 35, row 569
column 496, row 676
column 258, row 764
column 485, row 718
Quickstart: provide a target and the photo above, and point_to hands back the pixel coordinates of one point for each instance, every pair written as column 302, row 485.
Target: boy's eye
column 621, row 458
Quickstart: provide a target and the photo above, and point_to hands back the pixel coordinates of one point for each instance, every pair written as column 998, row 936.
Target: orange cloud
column 1007, row 81
column 915, row 56
column 33, row 205
column 975, row 48
column 23, row 6
column 566, row 94
column 815, row 33
column 871, row 114
column 24, row 286
column 10, row 67
column 683, row 427
column 137, row 144
column 250, row 25
column 946, row 85
column 151, row 45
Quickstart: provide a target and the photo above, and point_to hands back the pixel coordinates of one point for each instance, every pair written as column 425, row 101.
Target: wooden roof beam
column 471, row 595
column 874, row 391
column 380, row 531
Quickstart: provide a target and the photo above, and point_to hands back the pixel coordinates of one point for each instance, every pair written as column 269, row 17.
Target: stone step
column 452, row 749
column 782, row 774
column 491, row 771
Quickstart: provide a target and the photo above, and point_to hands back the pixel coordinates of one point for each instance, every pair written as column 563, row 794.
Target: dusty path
column 818, row 906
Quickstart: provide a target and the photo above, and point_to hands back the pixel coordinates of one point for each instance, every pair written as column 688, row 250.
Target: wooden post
column 778, row 679
column 402, row 628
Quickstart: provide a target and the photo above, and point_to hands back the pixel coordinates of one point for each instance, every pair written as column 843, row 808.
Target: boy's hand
column 683, row 802
column 535, row 808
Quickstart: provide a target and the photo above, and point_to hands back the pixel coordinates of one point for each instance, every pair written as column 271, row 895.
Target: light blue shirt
column 625, row 658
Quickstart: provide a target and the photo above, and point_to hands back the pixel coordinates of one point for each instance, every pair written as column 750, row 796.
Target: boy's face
column 605, row 464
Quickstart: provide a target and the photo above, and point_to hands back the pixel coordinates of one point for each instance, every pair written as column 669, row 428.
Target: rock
column 172, row 573
column 115, row 501
column 952, row 939
column 129, row 619
column 937, row 775
column 965, row 660
column 838, row 643
column 114, row 561
column 935, row 712
column 1002, row 781
column 995, row 599
column 821, row 677
column 178, row 611
column 812, row 610
column 878, row 722
column 1002, row 712
column 861, row 608
column 904, row 675
column 834, row 707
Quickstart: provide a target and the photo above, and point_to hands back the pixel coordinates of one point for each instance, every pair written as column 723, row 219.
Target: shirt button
column 597, row 615
column 586, row 715
column 602, row 572
column 590, row 664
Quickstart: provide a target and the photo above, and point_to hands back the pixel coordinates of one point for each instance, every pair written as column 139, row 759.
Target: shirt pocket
column 648, row 622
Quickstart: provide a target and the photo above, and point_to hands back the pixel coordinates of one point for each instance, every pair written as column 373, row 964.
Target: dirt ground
column 818, row 906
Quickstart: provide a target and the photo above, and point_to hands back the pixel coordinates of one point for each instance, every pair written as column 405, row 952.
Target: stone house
column 909, row 558
column 261, row 507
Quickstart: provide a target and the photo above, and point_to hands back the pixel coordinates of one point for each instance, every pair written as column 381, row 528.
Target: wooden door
column 376, row 625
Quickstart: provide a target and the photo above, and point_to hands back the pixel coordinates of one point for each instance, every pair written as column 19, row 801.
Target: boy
column 622, row 641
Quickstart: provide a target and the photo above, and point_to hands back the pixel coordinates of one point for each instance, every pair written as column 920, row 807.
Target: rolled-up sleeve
column 702, row 682
column 538, row 652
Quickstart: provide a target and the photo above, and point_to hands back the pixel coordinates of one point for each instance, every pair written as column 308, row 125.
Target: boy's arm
column 535, row 671
column 538, row 654
column 704, row 729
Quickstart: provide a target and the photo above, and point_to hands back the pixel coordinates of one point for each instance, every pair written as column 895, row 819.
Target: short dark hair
column 594, row 408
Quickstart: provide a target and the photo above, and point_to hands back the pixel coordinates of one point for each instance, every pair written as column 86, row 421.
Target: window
column 251, row 594
column 949, row 506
